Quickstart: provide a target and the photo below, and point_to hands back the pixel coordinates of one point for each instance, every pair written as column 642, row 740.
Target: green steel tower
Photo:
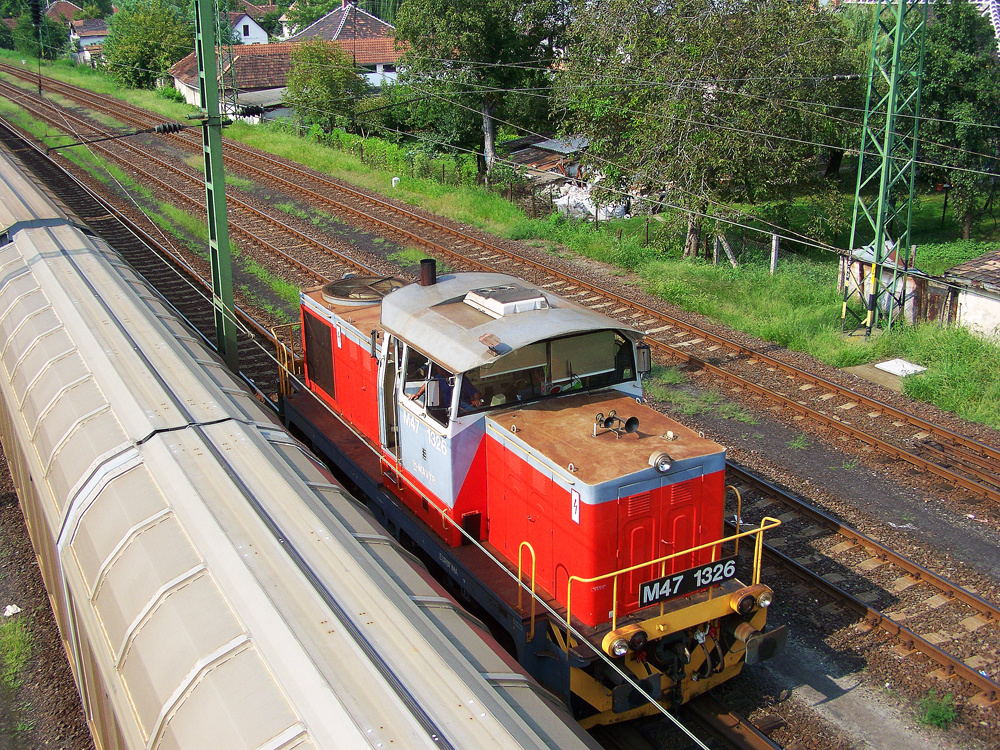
column 883, row 202
column 215, row 185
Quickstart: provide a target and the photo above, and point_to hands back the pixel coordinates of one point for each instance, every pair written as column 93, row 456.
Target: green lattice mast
column 883, row 202
column 215, row 184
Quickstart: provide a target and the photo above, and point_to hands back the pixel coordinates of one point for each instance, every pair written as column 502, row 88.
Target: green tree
column 323, row 87
column 474, row 55
column 144, row 39
column 53, row 37
column 704, row 102
column 960, row 108
column 6, row 37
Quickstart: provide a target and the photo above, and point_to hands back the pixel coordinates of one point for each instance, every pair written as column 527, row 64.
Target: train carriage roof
column 470, row 319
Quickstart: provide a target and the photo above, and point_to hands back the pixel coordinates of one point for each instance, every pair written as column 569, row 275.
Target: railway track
column 175, row 280
column 897, row 584
column 926, row 613
column 955, row 459
column 715, row 726
column 179, row 284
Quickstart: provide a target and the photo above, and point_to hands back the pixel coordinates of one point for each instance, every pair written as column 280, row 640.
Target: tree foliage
column 475, row 55
column 144, row 39
column 323, row 86
column 51, row 39
column 960, row 108
column 699, row 100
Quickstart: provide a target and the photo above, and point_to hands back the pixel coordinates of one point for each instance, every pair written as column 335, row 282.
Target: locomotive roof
column 439, row 321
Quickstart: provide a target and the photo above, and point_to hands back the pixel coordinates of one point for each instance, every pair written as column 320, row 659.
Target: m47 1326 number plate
column 692, row 579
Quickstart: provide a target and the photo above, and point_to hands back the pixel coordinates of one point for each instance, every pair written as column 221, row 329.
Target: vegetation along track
column 164, row 272
column 927, row 614
column 956, row 459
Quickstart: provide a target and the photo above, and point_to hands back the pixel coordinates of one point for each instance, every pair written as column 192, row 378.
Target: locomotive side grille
column 680, row 493
column 638, row 504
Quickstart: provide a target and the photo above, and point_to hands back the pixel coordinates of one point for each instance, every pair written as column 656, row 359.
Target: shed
column 977, row 282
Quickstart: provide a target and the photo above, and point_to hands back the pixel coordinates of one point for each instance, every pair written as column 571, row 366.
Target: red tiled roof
column 62, row 9
column 256, row 12
column 264, row 66
column 347, row 22
column 10, row 23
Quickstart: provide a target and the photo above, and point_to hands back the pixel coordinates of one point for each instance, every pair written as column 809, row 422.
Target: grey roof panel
column 436, row 320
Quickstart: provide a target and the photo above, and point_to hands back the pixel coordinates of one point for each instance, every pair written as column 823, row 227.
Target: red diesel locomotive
column 498, row 429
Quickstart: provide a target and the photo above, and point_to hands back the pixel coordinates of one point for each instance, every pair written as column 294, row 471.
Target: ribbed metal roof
column 437, row 321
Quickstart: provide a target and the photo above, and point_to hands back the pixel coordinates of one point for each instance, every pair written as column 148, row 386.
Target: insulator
column 168, row 127
column 36, row 12
column 251, row 110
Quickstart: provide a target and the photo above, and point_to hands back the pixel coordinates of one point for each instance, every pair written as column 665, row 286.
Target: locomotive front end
column 618, row 511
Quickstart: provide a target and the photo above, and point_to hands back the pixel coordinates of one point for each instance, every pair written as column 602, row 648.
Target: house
column 976, row 284
column 366, row 39
column 246, row 29
column 62, row 11
column 89, row 34
column 261, row 72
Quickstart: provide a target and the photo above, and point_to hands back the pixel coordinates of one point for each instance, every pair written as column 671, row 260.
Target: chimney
column 428, row 272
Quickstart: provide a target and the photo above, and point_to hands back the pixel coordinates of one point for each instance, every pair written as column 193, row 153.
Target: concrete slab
column 872, row 373
column 899, row 367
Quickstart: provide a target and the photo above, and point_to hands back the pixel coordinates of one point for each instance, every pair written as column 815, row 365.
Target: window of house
column 246, row 29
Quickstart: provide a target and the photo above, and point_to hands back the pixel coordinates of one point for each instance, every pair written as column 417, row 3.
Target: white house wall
column 979, row 313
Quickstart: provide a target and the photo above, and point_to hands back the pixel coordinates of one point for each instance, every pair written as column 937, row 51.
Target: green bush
column 937, row 711
column 935, row 259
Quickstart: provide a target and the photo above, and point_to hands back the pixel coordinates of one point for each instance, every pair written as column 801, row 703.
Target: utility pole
column 215, row 185
column 883, row 201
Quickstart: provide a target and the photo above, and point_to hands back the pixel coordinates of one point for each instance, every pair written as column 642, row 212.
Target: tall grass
column 15, row 650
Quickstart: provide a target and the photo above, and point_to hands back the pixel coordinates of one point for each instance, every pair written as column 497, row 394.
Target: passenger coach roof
column 436, row 320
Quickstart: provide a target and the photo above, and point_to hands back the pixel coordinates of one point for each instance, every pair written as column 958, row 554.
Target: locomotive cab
column 510, row 430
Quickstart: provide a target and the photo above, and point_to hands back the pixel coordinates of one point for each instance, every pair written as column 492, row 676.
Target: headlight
column 661, row 461
column 765, row 599
column 638, row 640
column 619, row 647
column 744, row 604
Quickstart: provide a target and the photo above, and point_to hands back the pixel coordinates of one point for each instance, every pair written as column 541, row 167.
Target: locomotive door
column 387, row 384
column 526, row 502
column 655, row 519
column 680, row 519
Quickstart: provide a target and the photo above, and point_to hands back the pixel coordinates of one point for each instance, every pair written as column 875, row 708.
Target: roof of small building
column 256, row 11
column 237, row 16
column 347, row 22
column 91, row 27
column 982, row 273
column 262, row 66
column 10, row 23
column 62, row 9
column 257, row 66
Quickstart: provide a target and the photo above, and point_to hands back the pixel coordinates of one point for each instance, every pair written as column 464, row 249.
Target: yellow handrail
column 520, row 589
column 739, row 514
column 287, row 363
column 766, row 524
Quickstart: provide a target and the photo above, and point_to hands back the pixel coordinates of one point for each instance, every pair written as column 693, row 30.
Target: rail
column 766, row 524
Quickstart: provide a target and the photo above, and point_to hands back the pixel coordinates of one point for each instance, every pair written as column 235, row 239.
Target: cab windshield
column 581, row 362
